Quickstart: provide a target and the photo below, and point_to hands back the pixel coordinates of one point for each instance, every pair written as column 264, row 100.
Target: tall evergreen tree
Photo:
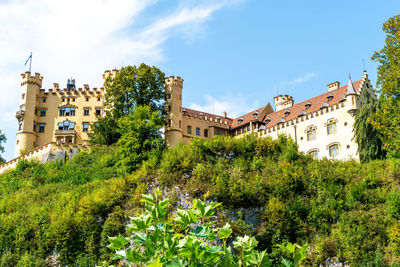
column 387, row 118
column 367, row 137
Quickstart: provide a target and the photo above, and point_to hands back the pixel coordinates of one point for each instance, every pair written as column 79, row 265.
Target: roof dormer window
column 302, row 113
column 240, row 120
column 325, row 105
column 287, row 112
column 255, row 113
column 268, row 119
column 330, row 97
column 282, row 120
column 308, row 105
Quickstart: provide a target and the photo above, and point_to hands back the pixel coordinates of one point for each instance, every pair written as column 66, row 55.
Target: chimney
column 224, row 114
column 333, row 86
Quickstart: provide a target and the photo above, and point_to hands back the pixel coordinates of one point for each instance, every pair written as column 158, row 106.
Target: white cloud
column 82, row 39
column 299, row 80
column 234, row 106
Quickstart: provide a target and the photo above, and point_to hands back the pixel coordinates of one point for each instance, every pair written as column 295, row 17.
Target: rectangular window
column 98, row 99
column 218, row 131
column 42, row 113
column 86, row 112
column 205, row 133
column 198, row 131
column 189, row 129
column 34, row 126
column 98, row 111
column 20, row 124
column 44, row 100
column 85, row 127
column 41, row 127
column 87, row 99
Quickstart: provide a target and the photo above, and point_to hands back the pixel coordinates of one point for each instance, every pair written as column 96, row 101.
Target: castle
column 322, row 126
column 61, row 116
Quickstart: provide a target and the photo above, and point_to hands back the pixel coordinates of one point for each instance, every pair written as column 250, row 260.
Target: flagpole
column 30, row 63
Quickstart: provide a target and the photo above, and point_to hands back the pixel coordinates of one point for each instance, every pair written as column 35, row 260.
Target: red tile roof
column 201, row 114
column 246, row 118
column 316, row 103
column 277, row 116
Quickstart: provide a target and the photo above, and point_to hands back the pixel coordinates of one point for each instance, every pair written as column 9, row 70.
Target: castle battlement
column 109, row 73
column 75, row 92
column 171, row 81
column 27, row 78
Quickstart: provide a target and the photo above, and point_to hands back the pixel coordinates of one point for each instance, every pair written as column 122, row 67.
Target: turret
column 352, row 98
column 26, row 115
column 283, row 102
column 173, row 105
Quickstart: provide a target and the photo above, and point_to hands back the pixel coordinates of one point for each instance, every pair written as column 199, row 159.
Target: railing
column 65, row 132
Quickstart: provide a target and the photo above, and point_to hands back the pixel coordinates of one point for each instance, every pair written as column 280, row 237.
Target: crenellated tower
column 173, row 103
column 27, row 113
column 283, row 102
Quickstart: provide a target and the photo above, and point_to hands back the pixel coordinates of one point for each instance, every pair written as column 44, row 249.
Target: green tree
column 367, row 137
column 131, row 87
column 140, row 137
column 2, row 140
column 387, row 118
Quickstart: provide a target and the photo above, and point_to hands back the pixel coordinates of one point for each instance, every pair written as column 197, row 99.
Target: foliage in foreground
column 188, row 239
column 345, row 211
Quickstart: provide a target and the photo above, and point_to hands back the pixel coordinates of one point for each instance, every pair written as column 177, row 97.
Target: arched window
column 314, row 153
column 331, row 127
column 333, row 150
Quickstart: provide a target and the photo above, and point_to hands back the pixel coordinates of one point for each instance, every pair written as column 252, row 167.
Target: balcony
column 65, row 132
column 20, row 115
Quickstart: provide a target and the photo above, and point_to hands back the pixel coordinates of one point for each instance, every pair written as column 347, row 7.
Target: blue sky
column 233, row 55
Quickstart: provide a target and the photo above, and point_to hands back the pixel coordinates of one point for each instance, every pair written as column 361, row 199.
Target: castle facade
column 322, row 126
column 56, row 115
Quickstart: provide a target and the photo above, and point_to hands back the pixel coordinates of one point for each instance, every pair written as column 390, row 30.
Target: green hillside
column 344, row 210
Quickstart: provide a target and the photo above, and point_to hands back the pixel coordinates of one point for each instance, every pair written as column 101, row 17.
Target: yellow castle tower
column 173, row 129
column 27, row 113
